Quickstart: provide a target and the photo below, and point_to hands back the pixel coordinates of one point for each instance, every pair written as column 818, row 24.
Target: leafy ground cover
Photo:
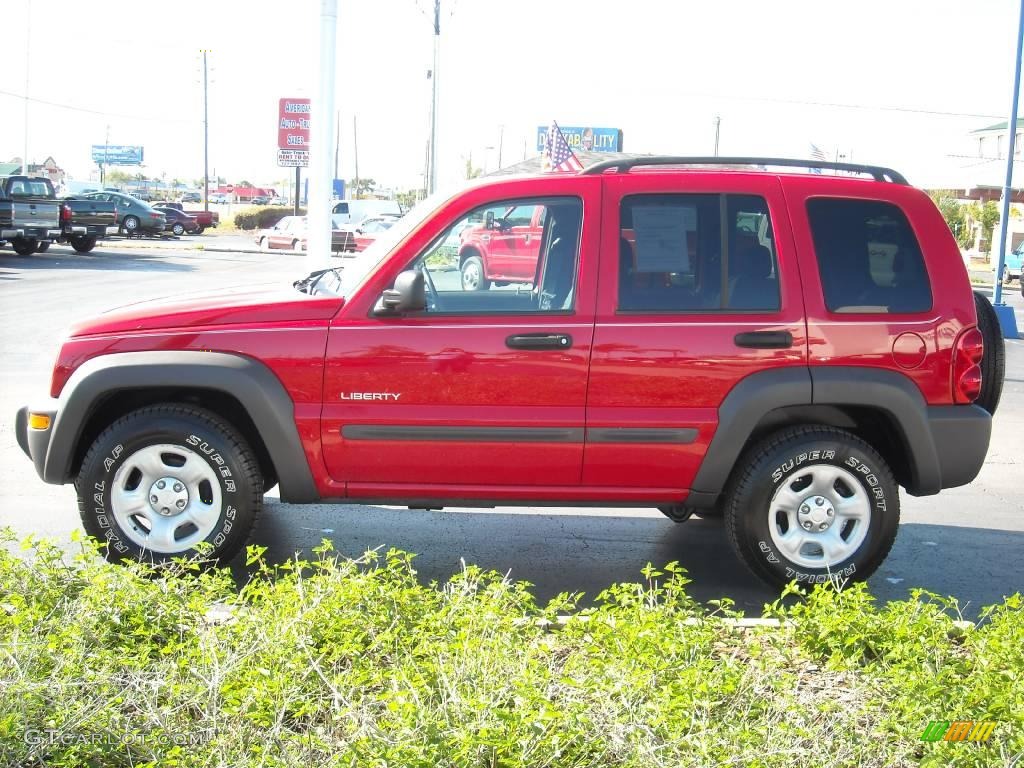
column 342, row 662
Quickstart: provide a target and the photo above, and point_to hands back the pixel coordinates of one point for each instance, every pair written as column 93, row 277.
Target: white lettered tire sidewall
column 765, row 470
column 199, row 431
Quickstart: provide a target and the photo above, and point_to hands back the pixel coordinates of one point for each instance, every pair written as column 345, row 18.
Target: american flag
column 558, row 157
column 817, row 153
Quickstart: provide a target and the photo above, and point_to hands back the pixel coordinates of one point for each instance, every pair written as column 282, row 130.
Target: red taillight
column 966, row 366
column 65, row 214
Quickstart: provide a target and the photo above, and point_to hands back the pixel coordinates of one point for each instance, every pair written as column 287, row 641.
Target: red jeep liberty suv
column 735, row 337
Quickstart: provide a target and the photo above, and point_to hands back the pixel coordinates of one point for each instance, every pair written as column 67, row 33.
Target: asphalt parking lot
column 965, row 542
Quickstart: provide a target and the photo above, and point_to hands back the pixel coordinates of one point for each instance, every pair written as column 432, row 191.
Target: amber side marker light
column 38, row 421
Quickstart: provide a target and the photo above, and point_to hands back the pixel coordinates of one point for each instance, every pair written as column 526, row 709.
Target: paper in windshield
column 661, row 237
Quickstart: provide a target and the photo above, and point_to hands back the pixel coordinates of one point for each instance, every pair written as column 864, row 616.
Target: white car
column 353, row 211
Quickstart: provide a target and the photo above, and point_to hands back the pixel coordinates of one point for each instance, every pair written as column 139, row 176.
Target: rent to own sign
column 293, row 132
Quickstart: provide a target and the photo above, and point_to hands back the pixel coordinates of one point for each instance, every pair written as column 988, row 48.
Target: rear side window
column 696, row 253
column 868, row 257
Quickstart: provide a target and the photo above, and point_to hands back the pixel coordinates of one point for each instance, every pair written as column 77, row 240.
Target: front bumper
column 34, row 442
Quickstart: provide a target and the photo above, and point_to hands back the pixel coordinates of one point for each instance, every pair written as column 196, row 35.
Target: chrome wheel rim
column 470, row 276
column 130, row 223
column 166, row 498
column 819, row 516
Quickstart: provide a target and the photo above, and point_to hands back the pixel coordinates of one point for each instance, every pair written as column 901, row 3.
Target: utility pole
column 355, row 152
column 337, row 142
column 318, row 201
column 103, row 165
column 718, row 126
column 501, row 143
column 1007, row 320
column 28, row 49
column 433, row 98
column 206, row 137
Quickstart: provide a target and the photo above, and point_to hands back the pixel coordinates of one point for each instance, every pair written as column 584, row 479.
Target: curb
column 221, row 613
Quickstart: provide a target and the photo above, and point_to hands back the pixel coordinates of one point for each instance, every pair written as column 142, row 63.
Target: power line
column 101, row 113
column 867, row 107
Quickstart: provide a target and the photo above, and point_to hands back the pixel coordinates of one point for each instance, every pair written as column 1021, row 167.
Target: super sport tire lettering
column 766, row 464
column 200, row 432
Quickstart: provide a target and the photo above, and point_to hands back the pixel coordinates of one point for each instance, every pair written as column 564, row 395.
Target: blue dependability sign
column 116, row 154
column 585, row 138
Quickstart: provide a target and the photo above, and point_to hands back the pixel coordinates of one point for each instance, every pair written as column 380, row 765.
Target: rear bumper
column 35, row 442
column 30, row 233
column 960, row 434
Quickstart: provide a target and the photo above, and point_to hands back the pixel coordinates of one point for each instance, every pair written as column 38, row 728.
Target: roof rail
column 878, row 173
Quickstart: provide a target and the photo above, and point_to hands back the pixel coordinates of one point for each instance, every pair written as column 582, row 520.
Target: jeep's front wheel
column 813, row 504
column 164, row 479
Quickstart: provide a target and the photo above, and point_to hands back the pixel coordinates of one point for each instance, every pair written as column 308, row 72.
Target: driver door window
column 515, row 257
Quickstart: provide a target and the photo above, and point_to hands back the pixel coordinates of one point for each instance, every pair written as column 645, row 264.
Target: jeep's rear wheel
column 993, row 360
column 814, row 504
column 164, row 479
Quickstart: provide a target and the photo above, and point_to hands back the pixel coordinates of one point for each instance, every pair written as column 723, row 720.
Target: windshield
column 358, row 268
column 29, row 188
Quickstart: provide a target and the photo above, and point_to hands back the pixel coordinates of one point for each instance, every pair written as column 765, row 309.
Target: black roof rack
column 878, row 173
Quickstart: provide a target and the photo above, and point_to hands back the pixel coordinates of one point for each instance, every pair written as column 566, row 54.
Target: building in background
column 47, row 168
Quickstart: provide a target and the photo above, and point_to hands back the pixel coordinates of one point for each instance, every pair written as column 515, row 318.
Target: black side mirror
column 489, row 220
column 408, row 295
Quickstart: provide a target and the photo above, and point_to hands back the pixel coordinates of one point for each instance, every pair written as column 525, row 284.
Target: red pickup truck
column 503, row 247
column 701, row 335
column 204, row 219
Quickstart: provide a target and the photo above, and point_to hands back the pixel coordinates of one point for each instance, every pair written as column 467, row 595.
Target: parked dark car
column 191, row 197
column 178, row 222
column 133, row 215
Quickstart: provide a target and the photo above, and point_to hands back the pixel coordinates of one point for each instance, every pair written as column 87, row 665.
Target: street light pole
column 206, row 139
column 433, row 97
column 28, row 49
column 1006, row 315
column 318, row 201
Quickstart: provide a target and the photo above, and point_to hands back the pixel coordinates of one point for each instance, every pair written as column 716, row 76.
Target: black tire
column 24, row 247
column 83, row 243
column 42, row 246
column 789, row 458
column 200, row 230
column 295, row 245
column 187, row 431
column 993, row 361
column 472, row 274
column 130, row 224
column 177, row 229
column 677, row 513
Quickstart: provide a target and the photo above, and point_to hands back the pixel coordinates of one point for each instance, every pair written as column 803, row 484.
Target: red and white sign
column 293, row 124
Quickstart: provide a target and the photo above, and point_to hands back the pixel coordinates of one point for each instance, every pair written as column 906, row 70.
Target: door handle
column 539, row 341
column 764, row 339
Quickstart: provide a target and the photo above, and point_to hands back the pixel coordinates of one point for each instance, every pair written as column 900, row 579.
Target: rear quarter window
column 868, row 257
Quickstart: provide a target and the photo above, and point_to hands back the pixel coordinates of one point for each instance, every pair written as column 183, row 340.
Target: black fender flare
column 738, row 415
column 249, row 381
column 925, row 430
